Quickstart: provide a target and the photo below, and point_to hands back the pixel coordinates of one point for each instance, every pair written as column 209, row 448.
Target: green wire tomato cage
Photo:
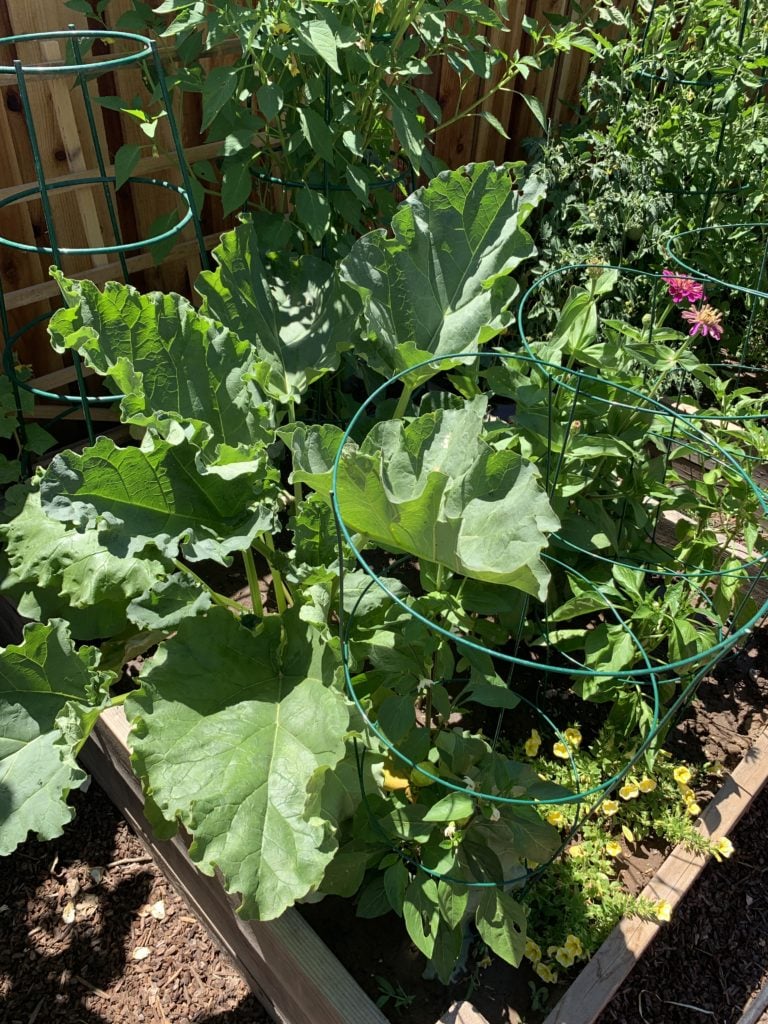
column 688, row 338
column 722, row 95
column 559, row 417
column 78, row 65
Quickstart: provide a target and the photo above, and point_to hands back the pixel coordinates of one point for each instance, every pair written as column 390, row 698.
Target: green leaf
column 160, row 495
column 494, row 122
column 435, row 490
column 534, row 105
column 236, row 181
column 453, row 807
column 319, row 36
column 55, row 570
column 167, row 359
column 502, row 925
column 270, row 100
column 50, row 698
column 396, row 880
column 441, row 283
column 167, row 603
column 293, row 314
column 318, row 134
column 232, row 762
column 126, row 159
column 420, row 913
column 218, row 89
column 314, row 213
column 452, row 901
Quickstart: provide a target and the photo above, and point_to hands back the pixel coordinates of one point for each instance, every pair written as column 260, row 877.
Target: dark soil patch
column 714, row 954
column 59, row 970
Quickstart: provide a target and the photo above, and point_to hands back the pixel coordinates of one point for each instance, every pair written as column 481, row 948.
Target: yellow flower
column 551, row 950
column 613, row 848
column 576, row 850
column 556, row 818
column 682, row 775
column 564, row 957
column 560, row 750
column 646, row 785
column 546, row 973
column 687, row 794
column 573, row 737
column 693, row 809
column 532, row 951
column 629, row 791
column 610, row 807
column 532, row 744
column 573, row 943
column 663, row 910
column 724, row 846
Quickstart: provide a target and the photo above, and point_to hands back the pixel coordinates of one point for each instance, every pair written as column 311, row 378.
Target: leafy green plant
column 331, row 737
column 326, row 101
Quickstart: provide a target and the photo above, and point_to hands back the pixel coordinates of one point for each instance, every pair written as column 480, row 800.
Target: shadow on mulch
column 713, row 957
column 84, row 971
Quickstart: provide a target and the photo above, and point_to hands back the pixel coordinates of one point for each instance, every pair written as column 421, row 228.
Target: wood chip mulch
column 93, row 934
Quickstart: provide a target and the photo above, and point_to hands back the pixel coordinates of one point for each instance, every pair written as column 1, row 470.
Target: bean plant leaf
column 501, row 921
column 233, row 762
column 57, row 570
column 440, row 283
column 165, row 357
column 434, row 488
column 161, row 496
column 50, row 698
column 293, row 314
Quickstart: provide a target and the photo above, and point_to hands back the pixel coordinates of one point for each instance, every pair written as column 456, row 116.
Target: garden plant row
column 489, row 560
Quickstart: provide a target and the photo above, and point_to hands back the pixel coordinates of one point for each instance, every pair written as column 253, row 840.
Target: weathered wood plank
column 593, row 989
column 289, row 968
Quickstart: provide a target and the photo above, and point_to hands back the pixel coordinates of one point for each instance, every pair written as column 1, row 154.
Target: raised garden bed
column 296, row 976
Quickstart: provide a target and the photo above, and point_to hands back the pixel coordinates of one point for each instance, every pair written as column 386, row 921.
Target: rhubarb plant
column 471, row 492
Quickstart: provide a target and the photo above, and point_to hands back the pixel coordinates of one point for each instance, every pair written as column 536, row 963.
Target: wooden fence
column 81, row 214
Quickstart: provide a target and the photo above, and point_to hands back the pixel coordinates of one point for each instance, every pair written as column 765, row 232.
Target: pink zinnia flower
column 683, row 289
column 705, row 321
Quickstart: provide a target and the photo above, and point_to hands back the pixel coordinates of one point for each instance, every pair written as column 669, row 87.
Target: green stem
column 298, row 492
column 216, row 597
column 253, row 582
column 282, row 595
column 402, row 404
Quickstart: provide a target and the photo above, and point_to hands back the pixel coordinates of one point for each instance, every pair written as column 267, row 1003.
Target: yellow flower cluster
column 682, row 777
column 564, row 955
column 532, row 744
column 573, row 738
column 722, row 847
column 663, row 910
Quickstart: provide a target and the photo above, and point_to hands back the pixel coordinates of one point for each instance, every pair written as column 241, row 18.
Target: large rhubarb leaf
column 55, row 570
column 165, row 357
column 161, row 495
column 435, row 489
column 50, row 698
column 229, row 729
column 440, row 282
column 293, row 312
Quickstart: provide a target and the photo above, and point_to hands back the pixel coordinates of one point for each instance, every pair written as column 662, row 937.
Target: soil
column 87, row 971
column 93, row 934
